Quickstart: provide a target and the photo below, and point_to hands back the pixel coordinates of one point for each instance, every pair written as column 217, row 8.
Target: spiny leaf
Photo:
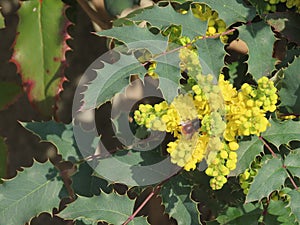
column 176, row 196
column 246, row 154
column 281, row 211
column 290, row 87
column 137, row 38
column 292, row 162
column 271, row 173
column 286, row 23
column 259, row 39
column 282, row 132
column 163, row 17
column 294, row 204
column 59, row 134
column 231, row 11
column 3, row 158
column 39, row 51
column 110, row 80
column 291, row 54
column 111, row 208
column 9, row 92
column 211, row 61
column 32, row 191
column 247, row 214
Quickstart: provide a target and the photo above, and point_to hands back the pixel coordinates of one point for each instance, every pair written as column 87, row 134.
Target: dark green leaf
column 59, row 134
column 259, row 39
column 281, row 211
column 111, row 208
column 273, row 174
column 231, row 11
column 290, row 87
column 31, row 192
column 292, row 162
column 39, row 50
column 261, row 6
column 176, row 196
column 294, row 204
column 8, row 93
column 116, row 7
column 162, row 17
column 211, row 54
column 3, row 158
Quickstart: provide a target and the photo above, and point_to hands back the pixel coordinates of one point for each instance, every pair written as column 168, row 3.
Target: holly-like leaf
column 136, row 37
column 111, row 208
column 8, row 93
column 282, row 132
column 294, row 204
column 261, row 6
column 176, row 196
column 59, row 134
column 291, row 54
column 163, row 17
column 3, row 158
column 290, row 87
column 287, row 24
column 32, row 191
column 281, row 211
column 231, row 11
column 291, row 162
column 271, row 173
column 211, row 61
column 247, row 214
column 116, row 7
column 39, row 51
column 247, row 152
column 259, row 39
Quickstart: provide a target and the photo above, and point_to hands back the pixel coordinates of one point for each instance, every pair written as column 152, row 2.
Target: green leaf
column 231, row 11
column 271, row 173
column 247, row 152
column 291, row 54
column 282, row 132
column 261, row 6
column 286, row 23
column 116, row 7
column 176, row 196
column 290, row 87
column 110, row 80
column 39, row 51
column 211, row 54
column 3, row 158
column 111, row 208
column 259, row 39
column 8, row 93
column 292, row 162
column 279, row 208
column 246, row 214
column 294, row 204
column 59, row 134
column 2, row 23
column 32, row 191
column 137, row 38
column 163, row 17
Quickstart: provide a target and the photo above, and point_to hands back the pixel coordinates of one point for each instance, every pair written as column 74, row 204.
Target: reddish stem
column 268, row 147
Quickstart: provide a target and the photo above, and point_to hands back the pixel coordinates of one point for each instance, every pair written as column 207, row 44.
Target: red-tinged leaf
column 8, row 93
column 39, row 51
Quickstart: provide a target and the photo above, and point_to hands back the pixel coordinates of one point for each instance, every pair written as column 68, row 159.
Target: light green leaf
column 282, row 132
column 290, row 87
column 3, row 158
column 2, row 24
column 137, row 38
column 110, row 80
column 259, row 39
column 163, row 17
column 271, row 173
column 39, row 50
column 8, row 93
column 294, row 204
column 292, row 162
column 247, row 152
column 211, row 54
column 176, row 196
column 246, row 214
column 231, row 11
column 32, row 191
column 59, row 134
column 111, row 208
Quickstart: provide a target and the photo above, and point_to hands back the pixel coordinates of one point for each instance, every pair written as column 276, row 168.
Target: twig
column 268, row 147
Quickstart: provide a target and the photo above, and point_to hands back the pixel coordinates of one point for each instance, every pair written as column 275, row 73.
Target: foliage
column 233, row 128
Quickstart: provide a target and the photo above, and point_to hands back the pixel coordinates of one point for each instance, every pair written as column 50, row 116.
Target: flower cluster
column 208, row 118
column 272, row 4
